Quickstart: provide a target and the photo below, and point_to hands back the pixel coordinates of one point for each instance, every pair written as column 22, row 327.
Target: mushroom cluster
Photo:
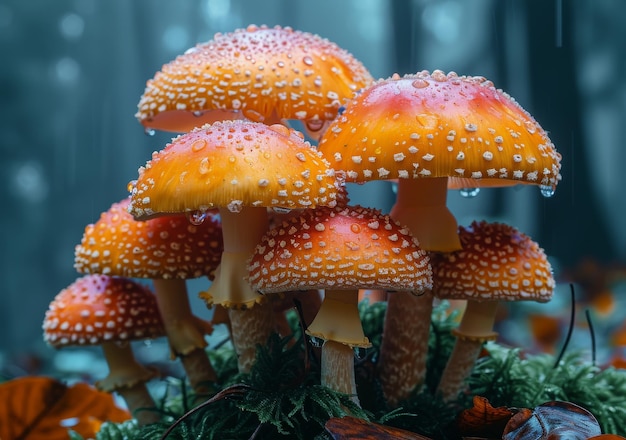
column 262, row 211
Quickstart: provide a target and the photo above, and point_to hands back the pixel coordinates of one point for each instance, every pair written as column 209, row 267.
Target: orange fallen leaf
column 37, row 407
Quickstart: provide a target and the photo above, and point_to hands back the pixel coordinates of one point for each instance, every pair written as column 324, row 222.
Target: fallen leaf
column 37, row 407
column 483, row 420
column 552, row 420
column 350, row 428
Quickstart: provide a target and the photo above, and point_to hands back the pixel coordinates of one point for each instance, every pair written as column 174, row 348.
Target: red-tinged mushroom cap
column 496, row 262
column 167, row 247
column 343, row 248
column 98, row 308
column 438, row 125
column 234, row 164
column 259, row 72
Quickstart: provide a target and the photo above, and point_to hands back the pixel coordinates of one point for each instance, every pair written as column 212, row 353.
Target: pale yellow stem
column 128, row 378
column 421, row 206
column 338, row 319
column 476, row 327
column 337, row 368
column 251, row 322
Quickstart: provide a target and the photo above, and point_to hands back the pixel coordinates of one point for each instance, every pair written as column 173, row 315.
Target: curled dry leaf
column 354, row 428
column 552, row 420
column 483, row 420
column 41, row 407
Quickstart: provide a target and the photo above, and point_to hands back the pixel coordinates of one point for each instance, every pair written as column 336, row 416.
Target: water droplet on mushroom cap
column 546, row 191
column 469, row 192
column 196, row 217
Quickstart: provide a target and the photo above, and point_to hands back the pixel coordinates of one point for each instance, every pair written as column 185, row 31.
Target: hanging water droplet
column 196, row 217
column 147, row 342
column 314, row 125
column 394, row 187
column 281, row 210
column 316, row 342
column 546, row 191
column 149, row 131
column 197, row 113
column 469, row 192
column 131, row 186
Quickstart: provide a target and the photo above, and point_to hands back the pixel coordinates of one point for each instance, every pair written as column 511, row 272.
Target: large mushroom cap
column 168, row 247
column 234, row 164
column 98, row 308
column 342, row 248
column 496, row 262
column 259, row 72
column 440, row 125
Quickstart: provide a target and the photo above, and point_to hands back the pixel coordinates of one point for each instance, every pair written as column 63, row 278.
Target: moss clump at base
column 281, row 396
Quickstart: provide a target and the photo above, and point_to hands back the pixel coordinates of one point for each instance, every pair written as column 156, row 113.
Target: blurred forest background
column 72, row 72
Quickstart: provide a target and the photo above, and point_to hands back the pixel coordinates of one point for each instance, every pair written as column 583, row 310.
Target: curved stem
column 128, row 378
column 185, row 332
column 476, row 327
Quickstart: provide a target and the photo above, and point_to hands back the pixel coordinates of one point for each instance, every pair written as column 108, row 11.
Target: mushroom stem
column 338, row 319
column 338, row 368
column 128, row 378
column 249, row 329
column 252, row 324
column 338, row 323
column 404, row 346
column 421, row 206
column 185, row 332
column 476, row 328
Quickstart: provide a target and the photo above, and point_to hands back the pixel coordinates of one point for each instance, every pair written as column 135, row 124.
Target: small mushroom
column 241, row 168
column 258, row 73
column 168, row 250
column 110, row 312
column 340, row 250
column 496, row 263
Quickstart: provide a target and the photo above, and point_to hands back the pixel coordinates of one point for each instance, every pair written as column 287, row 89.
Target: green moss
column 281, row 396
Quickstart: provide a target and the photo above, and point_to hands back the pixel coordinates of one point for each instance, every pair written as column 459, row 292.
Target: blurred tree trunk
column 556, row 103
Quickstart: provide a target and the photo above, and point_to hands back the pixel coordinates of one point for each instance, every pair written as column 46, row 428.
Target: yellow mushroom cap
column 341, row 248
column 496, row 262
column 440, row 125
column 99, row 308
column 234, row 164
column 259, row 71
column 166, row 247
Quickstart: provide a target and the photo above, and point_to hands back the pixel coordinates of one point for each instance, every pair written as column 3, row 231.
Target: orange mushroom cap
column 234, row 164
column 167, row 247
column 496, row 262
column 440, row 125
column 98, row 308
column 260, row 72
column 341, row 248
